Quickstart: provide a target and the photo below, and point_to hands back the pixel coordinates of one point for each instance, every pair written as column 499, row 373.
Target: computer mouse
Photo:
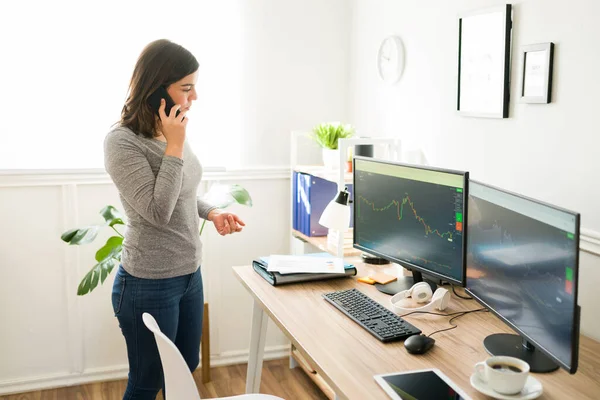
column 418, row 344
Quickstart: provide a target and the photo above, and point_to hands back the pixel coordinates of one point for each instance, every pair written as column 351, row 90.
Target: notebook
column 275, row 278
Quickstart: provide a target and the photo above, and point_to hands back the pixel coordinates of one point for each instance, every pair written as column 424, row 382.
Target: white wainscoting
column 51, row 337
column 590, row 241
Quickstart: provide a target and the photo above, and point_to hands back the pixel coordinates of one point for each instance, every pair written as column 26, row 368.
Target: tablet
column 423, row 384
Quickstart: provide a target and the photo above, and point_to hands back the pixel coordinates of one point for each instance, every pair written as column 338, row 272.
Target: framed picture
column 536, row 73
column 484, row 42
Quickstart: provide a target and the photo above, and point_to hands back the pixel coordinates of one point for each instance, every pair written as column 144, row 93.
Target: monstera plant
column 109, row 255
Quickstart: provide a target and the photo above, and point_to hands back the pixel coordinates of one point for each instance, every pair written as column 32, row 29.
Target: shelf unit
column 338, row 176
column 320, row 172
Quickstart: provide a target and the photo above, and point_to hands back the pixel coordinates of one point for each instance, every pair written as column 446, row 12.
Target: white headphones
column 421, row 292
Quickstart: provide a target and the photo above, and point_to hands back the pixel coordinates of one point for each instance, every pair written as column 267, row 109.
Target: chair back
column 179, row 382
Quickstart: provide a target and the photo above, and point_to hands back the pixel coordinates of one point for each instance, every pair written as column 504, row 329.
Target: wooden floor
column 277, row 379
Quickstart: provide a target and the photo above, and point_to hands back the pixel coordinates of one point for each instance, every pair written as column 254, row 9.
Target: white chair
column 179, row 382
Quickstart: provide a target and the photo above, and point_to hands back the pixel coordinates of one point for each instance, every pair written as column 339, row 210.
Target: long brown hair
column 161, row 63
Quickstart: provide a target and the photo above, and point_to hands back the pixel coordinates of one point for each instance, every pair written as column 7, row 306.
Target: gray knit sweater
column 159, row 198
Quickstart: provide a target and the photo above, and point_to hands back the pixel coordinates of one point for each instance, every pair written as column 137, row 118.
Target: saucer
column 532, row 389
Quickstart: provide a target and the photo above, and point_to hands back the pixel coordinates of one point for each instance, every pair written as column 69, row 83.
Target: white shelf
column 338, row 176
column 320, row 171
column 321, row 243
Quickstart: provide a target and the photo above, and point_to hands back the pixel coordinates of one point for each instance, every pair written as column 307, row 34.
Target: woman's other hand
column 225, row 222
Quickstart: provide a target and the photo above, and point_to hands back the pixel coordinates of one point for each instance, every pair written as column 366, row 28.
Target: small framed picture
column 536, row 73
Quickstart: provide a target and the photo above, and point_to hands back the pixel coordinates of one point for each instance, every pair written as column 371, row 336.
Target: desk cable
column 454, row 315
column 459, row 295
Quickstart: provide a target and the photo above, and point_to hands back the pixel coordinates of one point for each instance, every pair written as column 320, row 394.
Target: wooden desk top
column 347, row 356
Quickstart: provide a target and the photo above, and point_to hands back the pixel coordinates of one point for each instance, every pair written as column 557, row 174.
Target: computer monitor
column 522, row 264
column 411, row 215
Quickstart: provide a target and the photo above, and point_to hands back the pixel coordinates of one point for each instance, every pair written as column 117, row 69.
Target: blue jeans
column 177, row 304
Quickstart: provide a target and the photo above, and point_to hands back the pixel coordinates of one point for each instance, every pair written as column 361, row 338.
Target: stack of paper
column 276, row 278
column 332, row 239
column 288, row 264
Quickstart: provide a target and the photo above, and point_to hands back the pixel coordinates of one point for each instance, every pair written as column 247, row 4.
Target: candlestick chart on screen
column 410, row 220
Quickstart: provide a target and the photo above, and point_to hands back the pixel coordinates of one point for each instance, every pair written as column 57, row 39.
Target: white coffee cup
column 505, row 375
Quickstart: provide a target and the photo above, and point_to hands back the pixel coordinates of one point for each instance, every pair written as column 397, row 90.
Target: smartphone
column 154, row 100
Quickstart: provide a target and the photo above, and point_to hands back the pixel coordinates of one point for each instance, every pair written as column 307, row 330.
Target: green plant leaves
column 68, row 235
column 240, row 195
column 108, row 256
column 223, row 196
column 327, row 135
column 79, row 236
column 112, row 248
column 112, row 216
column 82, row 235
column 99, row 272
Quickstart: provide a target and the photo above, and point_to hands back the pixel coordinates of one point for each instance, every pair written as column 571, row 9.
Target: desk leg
column 257, row 348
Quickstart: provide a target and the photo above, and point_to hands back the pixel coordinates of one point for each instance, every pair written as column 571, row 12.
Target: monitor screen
column 411, row 215
column 522, row 263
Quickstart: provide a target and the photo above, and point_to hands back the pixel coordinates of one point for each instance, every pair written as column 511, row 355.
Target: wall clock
column 390, row 59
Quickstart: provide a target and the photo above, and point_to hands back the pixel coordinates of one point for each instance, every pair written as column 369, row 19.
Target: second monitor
column 411, row 215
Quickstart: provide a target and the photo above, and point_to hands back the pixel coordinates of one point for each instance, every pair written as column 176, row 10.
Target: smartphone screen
column 154, row 100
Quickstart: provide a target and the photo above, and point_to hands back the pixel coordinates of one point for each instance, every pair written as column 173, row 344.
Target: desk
column 346, row 356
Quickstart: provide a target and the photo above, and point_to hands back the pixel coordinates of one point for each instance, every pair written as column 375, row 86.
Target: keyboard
column 372, row 316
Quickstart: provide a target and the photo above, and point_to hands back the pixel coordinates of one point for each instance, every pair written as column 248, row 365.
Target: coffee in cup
column 506, row 368
column 503, row 374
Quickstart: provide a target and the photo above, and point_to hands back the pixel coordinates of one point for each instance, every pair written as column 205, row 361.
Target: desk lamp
column 336, row 216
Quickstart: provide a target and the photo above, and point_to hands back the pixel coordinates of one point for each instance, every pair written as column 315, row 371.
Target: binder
column 295, row 201
column 311, row 194
column 276, row 279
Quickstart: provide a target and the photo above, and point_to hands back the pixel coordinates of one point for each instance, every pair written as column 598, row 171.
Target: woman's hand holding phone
column 173, row 128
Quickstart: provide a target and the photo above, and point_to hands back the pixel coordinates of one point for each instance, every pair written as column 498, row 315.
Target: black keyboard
column 375, row 318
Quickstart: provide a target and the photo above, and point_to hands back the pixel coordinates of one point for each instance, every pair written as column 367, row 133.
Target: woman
column 157, row 177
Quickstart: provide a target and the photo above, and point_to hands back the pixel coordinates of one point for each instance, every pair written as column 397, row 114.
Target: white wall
column 295, row 72
column 549, row 152
column 266, row 67
column 76, row 58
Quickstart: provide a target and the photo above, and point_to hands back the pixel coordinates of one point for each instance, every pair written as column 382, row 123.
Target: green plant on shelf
column 327, row 134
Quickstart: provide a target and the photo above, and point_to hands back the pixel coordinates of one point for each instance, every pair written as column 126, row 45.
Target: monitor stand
column 404, row 283
column 506, row 344
column 371, row 259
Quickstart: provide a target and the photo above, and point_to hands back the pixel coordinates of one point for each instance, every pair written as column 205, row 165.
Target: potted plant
column 327, row 135
column 109, row 255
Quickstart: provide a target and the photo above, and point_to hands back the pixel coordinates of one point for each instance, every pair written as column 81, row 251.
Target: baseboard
column 241, row 357
column 63, row 380
column 120, row 372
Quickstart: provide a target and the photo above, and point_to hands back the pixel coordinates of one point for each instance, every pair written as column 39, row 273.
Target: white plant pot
column 331, row 158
